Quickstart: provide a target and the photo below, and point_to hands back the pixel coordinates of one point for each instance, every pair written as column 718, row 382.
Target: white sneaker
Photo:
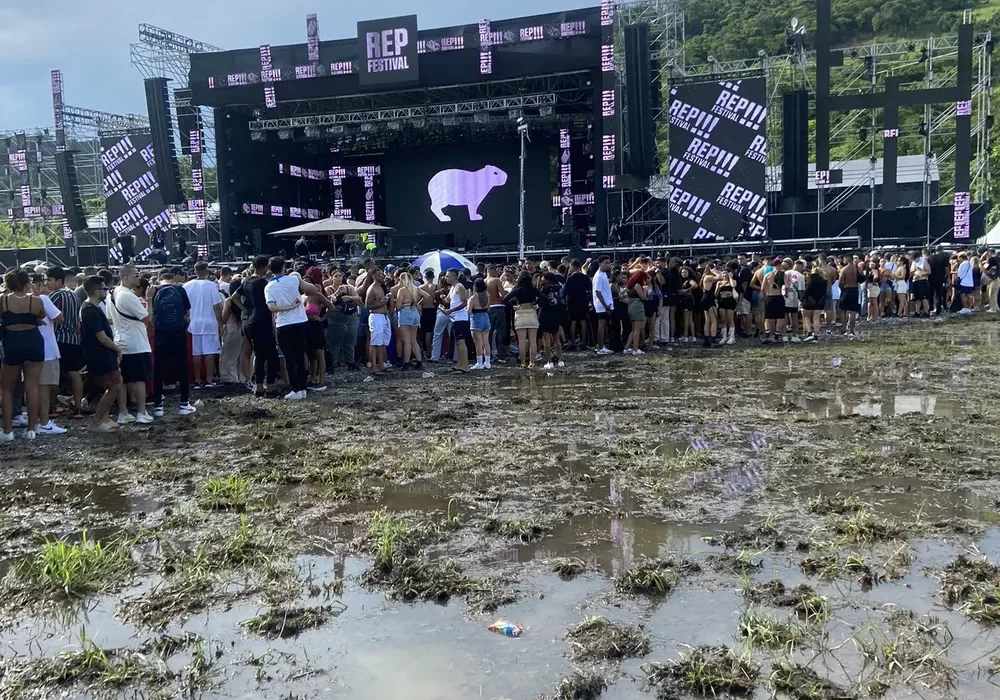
column 6, row 437
column 158, row 411
column 477, row 366
column 731, row 340
column 561, row 363
column 28, row 435
column 638, row 352
column 20, row 421
column 143, row 418
column 627, row 351
column 186, row 409
column 548, row 365
column 125, row 418
column 796, row 339
column 605, row 351
column 51, row 428
column 488, row 365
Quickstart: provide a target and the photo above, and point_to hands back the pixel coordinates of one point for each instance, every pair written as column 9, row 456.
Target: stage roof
column 520, row 47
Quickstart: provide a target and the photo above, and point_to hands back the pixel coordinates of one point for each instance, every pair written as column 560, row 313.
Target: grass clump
column 66, row 570
column 802, row 683
column 973, row 583
column 390, row 538
column 655, row 577
column 96, row 668
column 284, row 623
column 836, row 504
column 803, row 600
column 705, row 671
column 751, row 537
column 515, row 528
column 761, row 631
column 569, row 568
column 599, row 639
column 351, row 462
column 225, row 493
column 907, row 651
column 579, row 686
column 863, row 527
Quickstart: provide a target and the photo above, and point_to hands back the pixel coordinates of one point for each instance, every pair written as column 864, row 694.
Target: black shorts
column 23, row 346
column 137, row 368
column 728, row 304
column 849, row 299
column 707, row 300
column 603, row 316
column 315, row 337
column 791, row 310
column 428, row 317
column 811, row 304
column 579, row 312
column 774, row 308
column 462, row 330
column 70, row 358
column 921, row 290
column 651, row 306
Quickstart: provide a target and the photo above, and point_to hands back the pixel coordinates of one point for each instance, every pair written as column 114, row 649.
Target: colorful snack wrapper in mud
column 507, row 628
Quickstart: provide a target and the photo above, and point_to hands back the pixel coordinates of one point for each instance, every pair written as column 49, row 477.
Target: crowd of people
column 86, row 341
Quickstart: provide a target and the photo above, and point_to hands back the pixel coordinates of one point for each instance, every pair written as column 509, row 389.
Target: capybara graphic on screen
column 463, row 188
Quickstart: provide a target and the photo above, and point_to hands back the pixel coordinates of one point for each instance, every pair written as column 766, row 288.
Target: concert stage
column 419, row 130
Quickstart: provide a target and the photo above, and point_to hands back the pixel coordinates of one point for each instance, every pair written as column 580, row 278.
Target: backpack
column 168, row 308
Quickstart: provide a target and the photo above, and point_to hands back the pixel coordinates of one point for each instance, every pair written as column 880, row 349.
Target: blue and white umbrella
column 442, row 261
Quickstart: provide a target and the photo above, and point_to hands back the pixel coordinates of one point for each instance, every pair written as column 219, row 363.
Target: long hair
column 407, row 282
column 481, row 295
column 524, row 281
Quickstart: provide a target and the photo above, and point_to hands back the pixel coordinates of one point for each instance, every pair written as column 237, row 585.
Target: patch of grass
column 91, row 666
column 70, row 570
column 802, row 683
column 975, row 584
column 569, row 568
column 390, row 538
column 411, row 579
column 863, row 527
column 225, row 493
column 907, row 651
column 688, row 460
column 599, row 639
column 705, row 671
column 803, row 600
column 837, row 504
column 290, row 622
column 515, row 528
column 655, row 577
column 579, row 686
column 762, row 631
column 829, row 563
column 246, row 546
column 761, row 537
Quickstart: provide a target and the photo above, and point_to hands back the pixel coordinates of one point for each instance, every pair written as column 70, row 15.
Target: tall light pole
column 522, row 129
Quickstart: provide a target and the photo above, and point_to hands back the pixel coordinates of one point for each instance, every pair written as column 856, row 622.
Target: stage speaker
column 162, row 129
column 795, row 144
column 641, row 156
column 69, row 190
column 187, row 118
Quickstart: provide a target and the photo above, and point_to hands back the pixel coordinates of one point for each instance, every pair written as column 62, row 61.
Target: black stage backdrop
column 718, row 153
column 132, row 194
column 468, row 191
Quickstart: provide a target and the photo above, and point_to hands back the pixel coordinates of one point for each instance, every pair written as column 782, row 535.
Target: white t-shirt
column 130, row 335
column 965, row 277
column 283, row 290
column 602, row 285
column 794, row 284
column 204, row 297
column 48, row 330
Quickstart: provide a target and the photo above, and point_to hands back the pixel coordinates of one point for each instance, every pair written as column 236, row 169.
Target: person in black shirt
column 549, row 320
column 940, row 268
column 100, row 351
column 258, row 327
column 577, row 292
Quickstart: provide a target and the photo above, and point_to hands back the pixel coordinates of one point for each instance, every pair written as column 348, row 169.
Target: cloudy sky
column 89, row 40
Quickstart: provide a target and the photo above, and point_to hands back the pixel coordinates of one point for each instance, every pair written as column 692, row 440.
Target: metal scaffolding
column 925, row 63
column 160, row 53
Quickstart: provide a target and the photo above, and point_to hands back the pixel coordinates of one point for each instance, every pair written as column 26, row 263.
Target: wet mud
column 801, row 522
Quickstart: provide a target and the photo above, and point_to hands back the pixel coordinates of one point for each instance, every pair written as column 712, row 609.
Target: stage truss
column 83, row 127
column 160, row 53
column 926, row 63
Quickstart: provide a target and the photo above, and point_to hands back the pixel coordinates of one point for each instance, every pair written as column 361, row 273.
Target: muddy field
column 812, row 522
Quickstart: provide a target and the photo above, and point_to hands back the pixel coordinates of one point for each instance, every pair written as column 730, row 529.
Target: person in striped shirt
column 68, row 334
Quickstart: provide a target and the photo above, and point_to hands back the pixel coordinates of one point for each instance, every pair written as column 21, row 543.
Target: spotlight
column 989, row 122
column 854, row 53
column 923, row 129
column 336, row 129
column 419, row 123
column 515, row 113
column 312, row 132
column 284, row 134
column 546, row 111
column 480, row 117
column 450, row 121
column 869, row 64
column 923, row 54
column 367, row 127
column 911, row 47
column 863, row 134
column 394, row 125
column 258, row 136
